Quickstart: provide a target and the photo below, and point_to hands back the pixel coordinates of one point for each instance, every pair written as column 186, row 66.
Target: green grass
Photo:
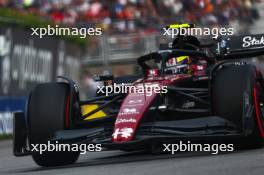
column 6, row 136
column 11, row 17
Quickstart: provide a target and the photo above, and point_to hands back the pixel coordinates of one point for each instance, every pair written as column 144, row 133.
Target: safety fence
column 26, row 61
column 120, row 47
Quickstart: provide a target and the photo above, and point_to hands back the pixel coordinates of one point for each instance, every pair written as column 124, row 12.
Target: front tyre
column 48, row 112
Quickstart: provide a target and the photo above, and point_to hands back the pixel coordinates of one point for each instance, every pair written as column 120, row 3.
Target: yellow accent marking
column 89, row 108
column 181, row 58
column 176, row 26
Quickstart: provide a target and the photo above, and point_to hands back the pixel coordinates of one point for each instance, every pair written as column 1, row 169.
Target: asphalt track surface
column 243, row 162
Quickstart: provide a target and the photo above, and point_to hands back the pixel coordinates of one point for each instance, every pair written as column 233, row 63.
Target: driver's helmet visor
column 178, row 64
column 176, row 61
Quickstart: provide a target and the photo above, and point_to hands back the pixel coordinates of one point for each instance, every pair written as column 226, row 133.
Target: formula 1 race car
column 209, row 94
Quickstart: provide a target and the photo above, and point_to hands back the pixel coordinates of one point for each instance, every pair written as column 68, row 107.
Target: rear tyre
column 233, row 92
column 47, row 113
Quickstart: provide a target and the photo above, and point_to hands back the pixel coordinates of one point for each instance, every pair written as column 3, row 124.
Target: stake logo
column 131, row 120
column 249, row 41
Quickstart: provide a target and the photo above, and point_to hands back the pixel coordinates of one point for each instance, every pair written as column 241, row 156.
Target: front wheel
column 48, row 112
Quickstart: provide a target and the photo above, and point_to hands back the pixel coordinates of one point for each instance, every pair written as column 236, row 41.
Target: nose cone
column 131, row 112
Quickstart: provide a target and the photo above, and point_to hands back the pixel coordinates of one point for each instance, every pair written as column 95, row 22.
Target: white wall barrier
column 6, row 123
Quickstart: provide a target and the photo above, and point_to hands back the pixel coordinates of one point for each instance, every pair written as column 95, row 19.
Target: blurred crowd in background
column 125, row 16
column 138, row 21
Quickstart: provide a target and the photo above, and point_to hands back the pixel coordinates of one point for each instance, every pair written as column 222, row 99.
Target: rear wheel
column 48, row 112
column 235, row 89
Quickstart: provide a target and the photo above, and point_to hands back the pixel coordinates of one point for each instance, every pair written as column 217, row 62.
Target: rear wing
column 237, row 47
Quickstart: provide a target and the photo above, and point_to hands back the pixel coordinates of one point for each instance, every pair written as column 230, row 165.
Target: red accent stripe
column 67, row 115
column 258, row 113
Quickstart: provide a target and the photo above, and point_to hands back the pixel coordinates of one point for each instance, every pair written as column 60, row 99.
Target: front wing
column 209, row 129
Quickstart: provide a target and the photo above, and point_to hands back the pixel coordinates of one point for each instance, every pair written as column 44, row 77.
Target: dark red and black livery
column 217, row 97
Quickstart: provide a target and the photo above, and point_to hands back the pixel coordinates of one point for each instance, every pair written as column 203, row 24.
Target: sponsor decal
column 132, row 110
column 128, row 111
column 249, row 41
column 41, row 63
column 135, row 101
column 124, row 132
column 131, row 120
column 200, row 67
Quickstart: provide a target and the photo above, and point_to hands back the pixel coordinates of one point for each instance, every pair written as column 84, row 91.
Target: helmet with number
column 178, row 65
column 182, row 64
